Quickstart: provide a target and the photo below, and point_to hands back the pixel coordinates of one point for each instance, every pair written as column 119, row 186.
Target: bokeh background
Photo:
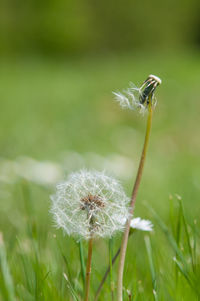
column 60, row 61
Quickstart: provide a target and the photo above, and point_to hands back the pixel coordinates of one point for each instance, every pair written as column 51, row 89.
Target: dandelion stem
column 88, row 269
column 132, row 204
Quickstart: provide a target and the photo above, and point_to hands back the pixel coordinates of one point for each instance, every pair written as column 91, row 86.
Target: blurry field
column 57, row 117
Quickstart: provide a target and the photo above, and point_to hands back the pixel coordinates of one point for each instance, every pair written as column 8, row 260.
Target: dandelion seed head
column 90, row 203
column 135, row 98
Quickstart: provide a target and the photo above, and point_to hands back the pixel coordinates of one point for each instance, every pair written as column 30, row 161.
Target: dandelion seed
column 90, row 204
column 138, row 98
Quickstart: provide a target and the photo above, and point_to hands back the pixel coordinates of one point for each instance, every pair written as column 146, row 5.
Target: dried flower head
column 90, row 203
column 138, row 98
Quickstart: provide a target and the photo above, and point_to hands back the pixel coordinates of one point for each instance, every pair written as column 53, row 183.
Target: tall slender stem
column 88, row 270
column 132, row 204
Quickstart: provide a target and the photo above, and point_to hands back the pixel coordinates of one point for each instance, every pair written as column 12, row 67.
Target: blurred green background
column 60, row 62
column 89, row 27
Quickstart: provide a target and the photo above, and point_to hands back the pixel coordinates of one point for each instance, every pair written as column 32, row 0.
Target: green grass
column 50, row 109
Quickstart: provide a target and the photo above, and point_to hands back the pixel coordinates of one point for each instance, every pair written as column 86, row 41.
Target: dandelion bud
column 90, row 204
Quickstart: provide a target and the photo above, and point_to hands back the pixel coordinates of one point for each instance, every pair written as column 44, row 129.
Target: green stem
column 132, row 204
column 81, row 254
column 111, row 268
column 88, row 270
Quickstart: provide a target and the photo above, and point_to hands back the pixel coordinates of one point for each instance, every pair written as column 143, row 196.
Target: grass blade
column 152, row 267
column 8, row 282
column 72, row 291
column 187, row 233
column 81, row 254
column 169, row 236
column 177, row 237
column 111, row 268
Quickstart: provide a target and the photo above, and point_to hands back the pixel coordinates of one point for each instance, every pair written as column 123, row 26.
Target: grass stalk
column 114, row 258
column 177, row 237
column 81, row 254
column 88, row 269
column 111, row 268
column 132, row 204
column 71, row 289
column 152, row 267
column 187, row 234
column 106, row 275
column 195, row 245
column 5, row 270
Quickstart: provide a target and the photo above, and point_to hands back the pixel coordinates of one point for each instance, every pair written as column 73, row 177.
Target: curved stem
column 132, row 204
column 88, row 270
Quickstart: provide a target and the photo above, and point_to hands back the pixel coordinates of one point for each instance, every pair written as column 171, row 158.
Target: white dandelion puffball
column 90, row 204
column 138, row 98
column 141, row 224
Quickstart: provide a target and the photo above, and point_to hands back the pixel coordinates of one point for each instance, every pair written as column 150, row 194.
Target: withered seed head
column 91, row 202
column 139, row 97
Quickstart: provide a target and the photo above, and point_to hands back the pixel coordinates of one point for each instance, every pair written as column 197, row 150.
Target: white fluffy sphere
column 90, row 204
